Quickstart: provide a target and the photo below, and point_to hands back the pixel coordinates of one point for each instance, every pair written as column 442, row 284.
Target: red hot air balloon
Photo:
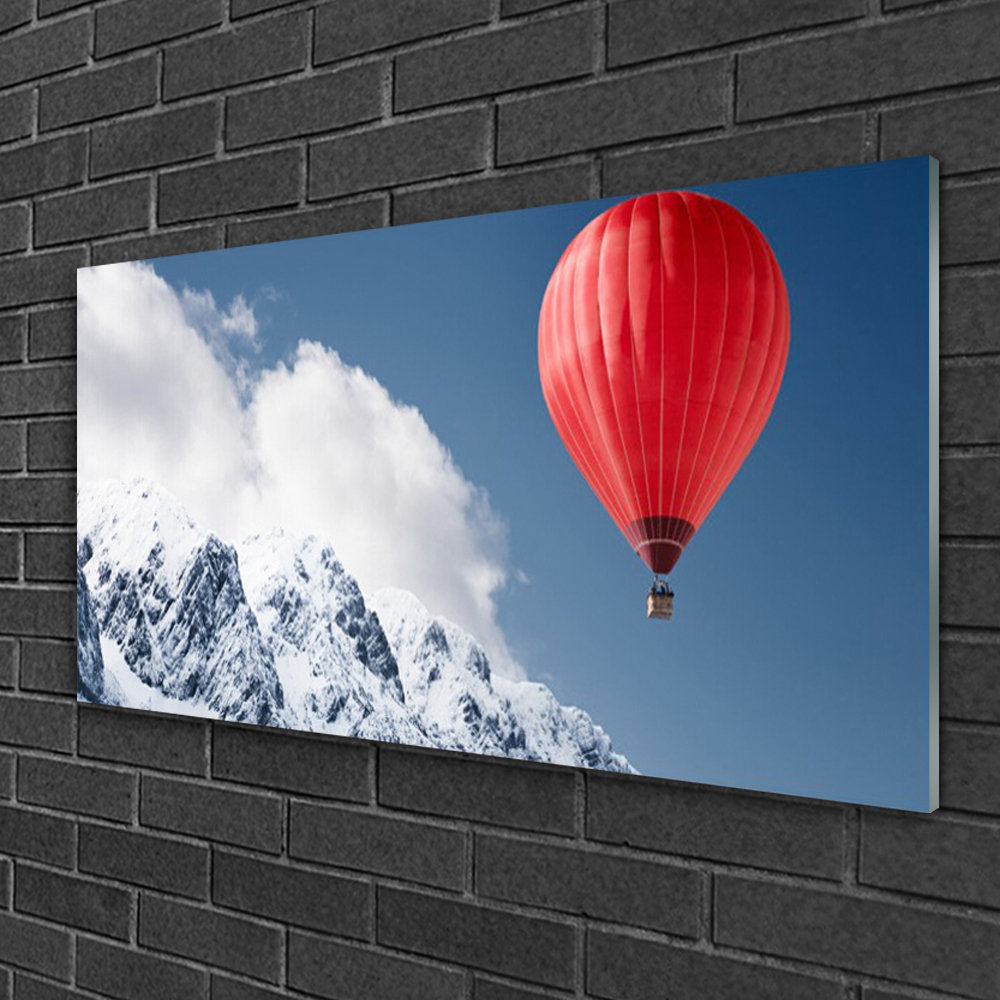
column 662, row 342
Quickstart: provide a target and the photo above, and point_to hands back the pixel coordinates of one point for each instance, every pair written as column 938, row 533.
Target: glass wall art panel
column 642, row 484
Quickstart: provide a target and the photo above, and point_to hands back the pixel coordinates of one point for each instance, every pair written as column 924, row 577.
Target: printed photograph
column 639, row 484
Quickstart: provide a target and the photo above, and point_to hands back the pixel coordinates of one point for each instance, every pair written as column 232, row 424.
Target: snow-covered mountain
column 334, row 661
column 448, row 682
column 169, row 596
column 277, row 632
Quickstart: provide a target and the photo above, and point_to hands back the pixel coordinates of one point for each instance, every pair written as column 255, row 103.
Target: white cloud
column 314, row 445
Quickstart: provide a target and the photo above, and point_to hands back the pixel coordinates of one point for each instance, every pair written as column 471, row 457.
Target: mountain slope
column 447, row 678
column 333, row 658
column 277, row 632
column 169, row 595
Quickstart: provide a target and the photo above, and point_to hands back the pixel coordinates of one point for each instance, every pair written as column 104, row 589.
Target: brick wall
column 145, row 856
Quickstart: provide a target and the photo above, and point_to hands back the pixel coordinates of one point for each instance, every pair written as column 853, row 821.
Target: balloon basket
column 660, row 604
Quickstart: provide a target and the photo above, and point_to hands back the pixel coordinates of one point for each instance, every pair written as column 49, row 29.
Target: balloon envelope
column 662, row 342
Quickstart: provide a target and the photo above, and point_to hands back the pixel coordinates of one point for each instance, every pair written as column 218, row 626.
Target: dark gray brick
column 44, row 50
column 516, row 795
column 374, row 842
column 626, row 968
column 722, row 826
column 43, row 166
column 7, row 762
column 27, row 833
column 931, row 858
column 557, row 48
column 501, row 193
column 346, row 972
column 94, row 211
column 243, row 184
column 190, row 239
column 803, row 146
column 41, row 611
column 316, row 104
column 241, row 818
column 12, row 336
column 867, row 992
column 969, row 486
column 244, row 8
column 77, row 788
column 645, row 894
column 36, row 499
column 970, row 223
column 355, row 26
column 490, row 989
column 99, row 93
column 29, row 988
column 10, row 555
column 256, row 51
column 35, row 722
column 49, row 7
column 331, row 903
column 50, row 555
column 148, row 860
column 14, row 224
column 46, row 7
column 873, row 61
column 970, row 681
column 208, row 936
column 958, row 130
column 166, row 743
column 78, row 902
column 511, row 8
column 14, row 13
column 51, row 444
column 8, row 662
column 48, row 666
column 523, row 947
column 970, row 763
column 114, row 971
column 173, row 136
column 970, row 307
column 648, row 105
column 52, row 334
column 224, row 988
column 37, row 389
column 399, row 153
column 894, row 940
column 10, row 567
column 970, row 577
column 366, row 213
column 134, row 23
column 647, row 29
column 294, row 763
column 969, row 410
column 12, row 450
column 28, row 944
column 17, row 110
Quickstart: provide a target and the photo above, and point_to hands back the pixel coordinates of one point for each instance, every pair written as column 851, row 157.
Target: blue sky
column 797, row 659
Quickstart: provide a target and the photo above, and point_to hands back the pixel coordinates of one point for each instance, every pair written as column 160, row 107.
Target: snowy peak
column 409, row 625
column 278, row 632
column 133, row 519
column 447, row 678
column 170, row 598
column 302, row 592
